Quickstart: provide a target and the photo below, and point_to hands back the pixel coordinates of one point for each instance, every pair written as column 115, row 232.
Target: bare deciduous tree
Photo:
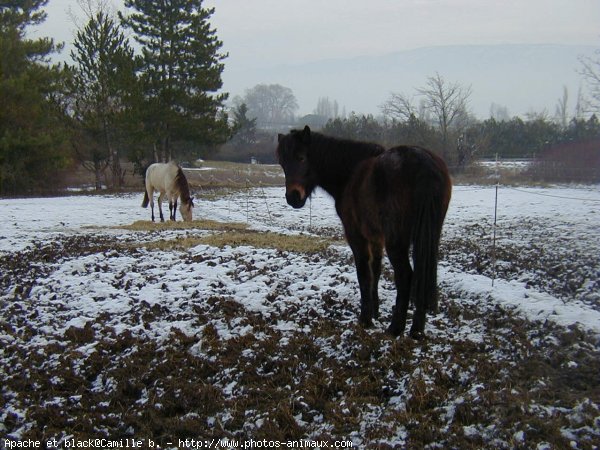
column 271, row 104
column 562, row 116
column 326, row 108
column 590, row 70
column 443, row 104
column 499, row 112
column 447, row 103
column 580, row 105
column 399, row 106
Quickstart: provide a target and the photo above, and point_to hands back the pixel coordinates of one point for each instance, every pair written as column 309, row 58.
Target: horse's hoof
column 365, row 323
column 417, row 335
column 395, row 330
column 397, row 325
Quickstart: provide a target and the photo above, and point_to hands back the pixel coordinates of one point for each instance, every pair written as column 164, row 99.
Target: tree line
column 436, row 117
column 149, row 100
column 490, row 138
column 441, row 121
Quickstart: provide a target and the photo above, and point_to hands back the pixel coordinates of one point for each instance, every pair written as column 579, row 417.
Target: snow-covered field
column 104, row 335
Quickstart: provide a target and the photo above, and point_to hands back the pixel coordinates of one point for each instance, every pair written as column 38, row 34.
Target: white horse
column 169, row 180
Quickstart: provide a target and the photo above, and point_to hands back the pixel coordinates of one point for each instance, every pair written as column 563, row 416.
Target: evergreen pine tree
column 32, row 135
column 102, row 81
column 244, row 128
column 180, row 73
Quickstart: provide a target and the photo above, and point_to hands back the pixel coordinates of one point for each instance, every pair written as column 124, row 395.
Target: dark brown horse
column 393, row 199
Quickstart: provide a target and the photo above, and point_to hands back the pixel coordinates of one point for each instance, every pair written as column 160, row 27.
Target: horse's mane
column 336, row 158
column 334, row 148
column 182, row 185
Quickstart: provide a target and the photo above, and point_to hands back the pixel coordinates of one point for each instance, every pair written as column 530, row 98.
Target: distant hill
column 523, row 78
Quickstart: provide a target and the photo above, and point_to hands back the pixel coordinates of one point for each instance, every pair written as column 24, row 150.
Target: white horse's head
column 186, row 209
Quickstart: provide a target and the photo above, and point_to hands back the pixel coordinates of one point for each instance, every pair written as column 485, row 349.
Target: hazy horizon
column 271, row 37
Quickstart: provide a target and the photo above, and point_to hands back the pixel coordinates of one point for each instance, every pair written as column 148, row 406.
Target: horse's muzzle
column 295, row 198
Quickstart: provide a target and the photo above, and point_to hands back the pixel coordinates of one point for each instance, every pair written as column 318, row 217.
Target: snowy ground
column 102, row 335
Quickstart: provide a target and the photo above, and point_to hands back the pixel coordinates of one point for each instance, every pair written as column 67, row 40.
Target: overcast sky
column 271, row 32
column 306, row 30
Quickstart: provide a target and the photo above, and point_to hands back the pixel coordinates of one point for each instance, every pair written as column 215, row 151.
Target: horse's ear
column 306, row 134
column 280, row 137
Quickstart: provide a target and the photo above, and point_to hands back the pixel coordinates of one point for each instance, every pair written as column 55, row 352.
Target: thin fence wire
column 554, row 196
column 483, row 188
column 531, row 192
column 266, row 202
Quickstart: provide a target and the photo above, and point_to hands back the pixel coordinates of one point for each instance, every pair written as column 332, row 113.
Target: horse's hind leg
column 398, row 255
column 160, row 200
column 363, row 258
column 150, row 194
column 377, row 256
column 417, row 330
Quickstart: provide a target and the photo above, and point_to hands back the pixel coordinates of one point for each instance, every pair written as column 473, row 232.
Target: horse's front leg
column 174, row 215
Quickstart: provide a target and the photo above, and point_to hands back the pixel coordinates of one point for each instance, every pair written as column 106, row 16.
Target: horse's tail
column 146, row 199
column 425, row 240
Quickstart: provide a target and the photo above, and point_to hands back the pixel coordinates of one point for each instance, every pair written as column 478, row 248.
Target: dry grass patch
column 283, row 242
column 230, row 233
column 201, row 224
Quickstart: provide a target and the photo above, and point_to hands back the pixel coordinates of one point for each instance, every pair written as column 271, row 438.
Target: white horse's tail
column 146, row 200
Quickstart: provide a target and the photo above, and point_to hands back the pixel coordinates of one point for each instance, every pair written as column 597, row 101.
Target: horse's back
column 160, row 176
column 411, row 171
column 386, row 191
column 412, row 161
